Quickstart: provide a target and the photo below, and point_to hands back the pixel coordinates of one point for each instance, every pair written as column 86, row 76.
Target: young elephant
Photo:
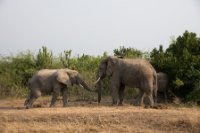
column 162, row 84
column 55, row 81
column 135, row 73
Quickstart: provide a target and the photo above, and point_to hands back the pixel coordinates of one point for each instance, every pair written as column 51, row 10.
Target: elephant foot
column 65, row 105
column 149, row 106
column 27, row 107
column 114, row 102
column 166, row 102
column 51, row 106
column 136, row 103
column 120, row 104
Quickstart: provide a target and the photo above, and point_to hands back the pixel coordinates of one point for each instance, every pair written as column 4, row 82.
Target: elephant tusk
column 97, row 80
column 81, row 85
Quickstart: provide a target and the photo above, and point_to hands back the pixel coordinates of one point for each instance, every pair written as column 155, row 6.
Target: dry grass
column 89, row 117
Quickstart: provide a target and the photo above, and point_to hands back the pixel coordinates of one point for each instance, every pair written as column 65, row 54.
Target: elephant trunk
column 99, row 91
column 83, row 84
column 98, row 85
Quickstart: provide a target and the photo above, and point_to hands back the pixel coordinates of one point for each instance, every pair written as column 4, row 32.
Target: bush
column 181, row 62
column 14, row 74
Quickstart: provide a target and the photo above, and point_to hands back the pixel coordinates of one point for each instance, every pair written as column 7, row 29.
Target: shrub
column 181, row 62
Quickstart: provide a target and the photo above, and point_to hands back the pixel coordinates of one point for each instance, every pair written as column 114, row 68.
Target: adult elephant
column 162, row 84
column 55, row 81
column 135, row 73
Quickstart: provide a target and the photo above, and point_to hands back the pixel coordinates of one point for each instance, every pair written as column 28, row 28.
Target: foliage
column 15, row 72
column 66, row 58
column 127, row 52
column 181, row 62
column 44, row 58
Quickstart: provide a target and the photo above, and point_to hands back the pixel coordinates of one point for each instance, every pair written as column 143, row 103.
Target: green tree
column 128, row 52
column 181, row 62
column 159, row 59
column 65, row 59
column 14, row 74
column 22, row 68
column 44, row 58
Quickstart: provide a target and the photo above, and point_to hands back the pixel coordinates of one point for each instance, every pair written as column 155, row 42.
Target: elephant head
column 106, row 68
column 71, row 77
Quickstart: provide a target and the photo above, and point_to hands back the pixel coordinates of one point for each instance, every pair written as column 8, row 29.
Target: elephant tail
column 155, row 86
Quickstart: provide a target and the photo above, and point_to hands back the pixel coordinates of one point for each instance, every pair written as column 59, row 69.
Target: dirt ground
column 86, row 117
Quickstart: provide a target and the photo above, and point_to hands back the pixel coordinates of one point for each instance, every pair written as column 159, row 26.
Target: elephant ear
column 63, row 77
column 110, row 65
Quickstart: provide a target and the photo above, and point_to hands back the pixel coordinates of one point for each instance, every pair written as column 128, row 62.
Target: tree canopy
column 181, row 61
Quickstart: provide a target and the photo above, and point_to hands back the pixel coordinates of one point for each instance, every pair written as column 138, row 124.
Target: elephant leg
column 65, row 100
column 150, row 92
column 165, row 95
column 151, row 101
column 140, row 98
column 33, row 96
column 114, row 91
column 115, row 85
column 54, row 98
column 114, row 94
column 30, row 102
column 121, row 94
column 155, row 96
column 27, row 99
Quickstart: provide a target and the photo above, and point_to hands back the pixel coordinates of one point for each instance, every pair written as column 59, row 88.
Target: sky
column 94, row 26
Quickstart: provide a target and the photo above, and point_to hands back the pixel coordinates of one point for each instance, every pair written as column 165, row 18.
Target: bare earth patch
column 81, row 117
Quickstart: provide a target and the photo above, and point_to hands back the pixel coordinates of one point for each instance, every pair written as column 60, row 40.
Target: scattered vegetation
column 181, row 61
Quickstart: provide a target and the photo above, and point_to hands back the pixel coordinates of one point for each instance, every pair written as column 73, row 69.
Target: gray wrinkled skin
column 163, row 84
column 135, row 73
column 53, row 81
